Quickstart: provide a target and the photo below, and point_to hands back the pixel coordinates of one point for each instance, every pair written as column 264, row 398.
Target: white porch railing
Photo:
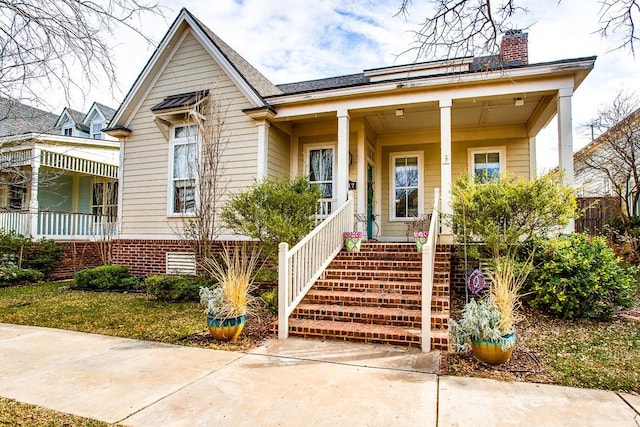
column 428, row 272
column 57, row 225
column 325, row 208
column 301, row 266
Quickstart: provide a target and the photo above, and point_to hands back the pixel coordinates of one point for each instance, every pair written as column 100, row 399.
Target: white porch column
column 533, row 162
column 33, row 193
column 361, row 181
column 263, row 149
column 342, row 164
column 445, row 161
column 565, row 141
column 295, row 142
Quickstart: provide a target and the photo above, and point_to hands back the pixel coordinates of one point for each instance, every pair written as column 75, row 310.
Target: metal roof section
column 180, row 101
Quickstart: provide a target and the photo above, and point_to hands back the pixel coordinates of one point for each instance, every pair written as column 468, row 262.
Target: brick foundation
column 146, row 257
column 76, row 256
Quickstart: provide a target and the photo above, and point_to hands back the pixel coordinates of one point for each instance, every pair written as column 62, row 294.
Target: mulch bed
column 524, row 365
column 255, row 332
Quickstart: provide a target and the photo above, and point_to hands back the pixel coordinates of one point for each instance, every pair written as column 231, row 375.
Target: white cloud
column 294, row 40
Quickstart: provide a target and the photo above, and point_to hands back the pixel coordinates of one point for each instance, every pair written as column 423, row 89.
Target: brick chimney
column 514, row 47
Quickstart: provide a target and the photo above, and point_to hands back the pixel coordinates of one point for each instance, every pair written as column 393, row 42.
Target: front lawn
column 122, row 315
column 577, row 353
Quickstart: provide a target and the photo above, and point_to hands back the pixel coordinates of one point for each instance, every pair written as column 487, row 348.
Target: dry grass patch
column 14, row 413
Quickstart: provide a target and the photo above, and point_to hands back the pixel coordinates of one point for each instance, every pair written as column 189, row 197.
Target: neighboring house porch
column 63, row 188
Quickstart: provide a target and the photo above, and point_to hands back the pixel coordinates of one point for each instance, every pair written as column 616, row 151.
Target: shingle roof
column 481, row 63
column 253, row 77
column 107, row 111
column 17, row 118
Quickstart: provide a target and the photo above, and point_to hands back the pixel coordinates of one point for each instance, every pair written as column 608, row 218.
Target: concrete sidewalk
column 282, row 383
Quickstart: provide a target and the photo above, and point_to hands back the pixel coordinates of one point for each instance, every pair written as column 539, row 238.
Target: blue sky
column 295, row 40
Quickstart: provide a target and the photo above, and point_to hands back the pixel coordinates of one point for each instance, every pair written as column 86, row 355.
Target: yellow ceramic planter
column 226, row 329
column 491, row 352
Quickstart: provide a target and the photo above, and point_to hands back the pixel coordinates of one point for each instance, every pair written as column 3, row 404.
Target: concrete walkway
column 282, row 383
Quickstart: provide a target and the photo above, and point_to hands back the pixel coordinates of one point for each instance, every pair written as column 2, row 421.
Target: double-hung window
column 406, row 185
column 487, row 164
column 96, row 130
column 183, row 173
column 321, row 170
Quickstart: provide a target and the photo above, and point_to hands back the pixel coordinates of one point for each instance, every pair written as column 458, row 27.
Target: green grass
column 590, row 354
column 122, row 315
column 14, row 413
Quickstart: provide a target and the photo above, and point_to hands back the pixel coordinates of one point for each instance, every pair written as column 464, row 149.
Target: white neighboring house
column 58, row 174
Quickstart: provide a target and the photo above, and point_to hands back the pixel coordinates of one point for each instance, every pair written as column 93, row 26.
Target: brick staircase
column 375, row 296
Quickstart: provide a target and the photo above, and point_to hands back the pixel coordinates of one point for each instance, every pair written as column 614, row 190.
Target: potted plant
column 352, row 240
column 487, row 325
column 229, row 300
column 421, row 238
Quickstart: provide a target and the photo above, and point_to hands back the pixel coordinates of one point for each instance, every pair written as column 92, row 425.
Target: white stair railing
column 301, row 266
column 428, row 271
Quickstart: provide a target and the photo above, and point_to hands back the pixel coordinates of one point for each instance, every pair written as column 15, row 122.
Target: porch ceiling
column 465, row 114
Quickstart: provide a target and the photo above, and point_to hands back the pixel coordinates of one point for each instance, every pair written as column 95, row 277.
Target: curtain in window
column 321, row 170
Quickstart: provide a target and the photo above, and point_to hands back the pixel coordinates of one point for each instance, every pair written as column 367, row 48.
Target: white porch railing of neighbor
column 301, row 266
column 428, row 272
column 58, row 225
column 18, row 222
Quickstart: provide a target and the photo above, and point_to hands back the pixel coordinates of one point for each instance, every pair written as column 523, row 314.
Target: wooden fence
column 594, row 213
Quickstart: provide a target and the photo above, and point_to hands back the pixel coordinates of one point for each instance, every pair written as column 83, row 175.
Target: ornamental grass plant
column 507, row 278
column 233, row 271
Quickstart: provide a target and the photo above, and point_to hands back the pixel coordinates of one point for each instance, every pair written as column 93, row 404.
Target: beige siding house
column 396, row 138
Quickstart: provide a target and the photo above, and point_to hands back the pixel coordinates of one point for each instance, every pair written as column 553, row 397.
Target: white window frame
column 307, row 162
column 392, row 183
column 501, row 150
column 99, row 134
column 173, row 142
column 68, row 129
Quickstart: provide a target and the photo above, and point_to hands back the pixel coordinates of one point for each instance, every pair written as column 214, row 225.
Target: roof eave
column 579, row 67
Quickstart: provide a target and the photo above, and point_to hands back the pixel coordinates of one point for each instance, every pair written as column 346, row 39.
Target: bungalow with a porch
column 56, row 183
column 393, row 135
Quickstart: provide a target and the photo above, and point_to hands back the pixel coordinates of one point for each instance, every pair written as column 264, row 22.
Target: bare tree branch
column 615, row 156
column 53, row 43
column 472, row 27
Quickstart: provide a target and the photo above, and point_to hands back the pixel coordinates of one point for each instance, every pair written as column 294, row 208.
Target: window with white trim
column 487, row 164
column 67, row 131
column 320, row 169
column 96, row 130
column 183, row 170
column 406, row 185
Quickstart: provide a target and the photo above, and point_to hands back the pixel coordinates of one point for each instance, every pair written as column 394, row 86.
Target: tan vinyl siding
column 517, row 155
column 146, row 154
column 517, row 162
column 278, row 159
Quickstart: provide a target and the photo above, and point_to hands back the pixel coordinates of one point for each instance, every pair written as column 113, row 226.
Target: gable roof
column 17, row 118
column 255, row 78
column 75, row 116
column 248, row 79
column 106, row 112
